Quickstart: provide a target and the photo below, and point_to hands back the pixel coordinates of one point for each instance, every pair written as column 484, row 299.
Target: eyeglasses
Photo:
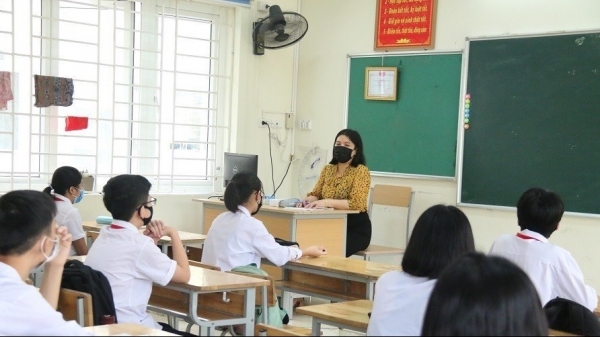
column 150, row 203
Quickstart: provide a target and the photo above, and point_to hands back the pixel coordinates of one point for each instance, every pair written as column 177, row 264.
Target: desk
column 353, row 315
column 126, row 328
column 205, row 281
column 187, row 238
column 331, row 277
column 307, row 227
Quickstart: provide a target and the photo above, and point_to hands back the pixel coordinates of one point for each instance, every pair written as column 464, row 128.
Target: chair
column 267, row 330
column 388, row 195
column 91, row 237
column 76, row 305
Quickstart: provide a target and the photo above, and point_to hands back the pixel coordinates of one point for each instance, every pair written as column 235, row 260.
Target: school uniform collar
column 125, row 224
column 535, row 235
column 61, row 197
column 244, row 210
column 9, row 272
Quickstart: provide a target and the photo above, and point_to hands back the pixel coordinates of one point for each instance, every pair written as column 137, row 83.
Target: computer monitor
column 238, row 162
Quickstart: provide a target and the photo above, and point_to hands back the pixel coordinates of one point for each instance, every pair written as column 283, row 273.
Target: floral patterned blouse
column 353, row 185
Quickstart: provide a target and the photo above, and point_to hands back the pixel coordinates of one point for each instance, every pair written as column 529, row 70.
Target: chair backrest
column 91, row 237
column 392, row 195
column 76, row 305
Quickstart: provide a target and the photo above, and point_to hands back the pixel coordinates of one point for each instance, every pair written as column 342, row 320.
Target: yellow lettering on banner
column 417, row 19
column 423, row 18
column 410, row 30
column 424, row 30
column 409, row 20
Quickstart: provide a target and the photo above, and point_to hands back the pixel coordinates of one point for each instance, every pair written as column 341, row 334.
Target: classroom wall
column 322, row 87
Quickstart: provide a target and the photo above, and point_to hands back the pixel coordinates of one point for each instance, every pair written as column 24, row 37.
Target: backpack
column 569, row 316
column 78, row 276
column 277, row 316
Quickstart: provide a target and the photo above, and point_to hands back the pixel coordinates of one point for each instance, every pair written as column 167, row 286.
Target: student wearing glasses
column 130, row 259
column 66, row 189
column 237, row 239
column 344, row 184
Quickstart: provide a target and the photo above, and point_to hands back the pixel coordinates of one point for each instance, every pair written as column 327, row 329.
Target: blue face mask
column 79, row 197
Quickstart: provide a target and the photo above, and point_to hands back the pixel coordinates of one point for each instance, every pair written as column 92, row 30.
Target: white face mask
column 48, row 258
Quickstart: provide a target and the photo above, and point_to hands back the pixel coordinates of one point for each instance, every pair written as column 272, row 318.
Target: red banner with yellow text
column 404, row 23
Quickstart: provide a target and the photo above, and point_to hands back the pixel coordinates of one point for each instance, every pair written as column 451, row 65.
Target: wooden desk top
column 283, row 210
column 187, row 238
column 344, row 266
column 353, row 313
column 126, row 328
column 207, row 280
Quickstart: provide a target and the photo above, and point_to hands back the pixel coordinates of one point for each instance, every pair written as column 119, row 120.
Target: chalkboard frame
column 461, row 133
column 384, row 55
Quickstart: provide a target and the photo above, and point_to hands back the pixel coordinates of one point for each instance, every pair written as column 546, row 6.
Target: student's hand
column 155, row 230
column 64, row 246
column 314, row 251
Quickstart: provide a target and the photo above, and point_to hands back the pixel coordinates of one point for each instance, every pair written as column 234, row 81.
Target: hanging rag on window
column 6, row 93
column 50, row 90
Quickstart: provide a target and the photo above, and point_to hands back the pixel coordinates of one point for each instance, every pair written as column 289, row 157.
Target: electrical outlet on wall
column 272, row 124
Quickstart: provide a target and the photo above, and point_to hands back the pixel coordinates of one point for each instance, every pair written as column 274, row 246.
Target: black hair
column 441, row 234
column 240, row 188
column 540, row 210
column 354, row 136
column 63, row 179
column 479, row 295
column 24, row 216
column 124, row 194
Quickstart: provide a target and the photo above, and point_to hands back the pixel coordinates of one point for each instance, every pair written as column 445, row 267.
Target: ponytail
column 48, row 190
column 232, row 197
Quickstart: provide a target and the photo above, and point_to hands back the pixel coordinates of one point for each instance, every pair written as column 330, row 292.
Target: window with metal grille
column 153, row 79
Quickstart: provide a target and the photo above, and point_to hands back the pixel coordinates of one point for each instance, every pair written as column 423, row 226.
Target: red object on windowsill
column 76, row 123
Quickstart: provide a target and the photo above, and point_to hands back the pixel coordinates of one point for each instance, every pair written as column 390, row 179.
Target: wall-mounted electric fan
column 278, row 30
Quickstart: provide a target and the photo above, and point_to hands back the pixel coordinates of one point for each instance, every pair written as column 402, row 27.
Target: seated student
column 551, row 268
column 67, row 184
column 441, row 234
column 236, row 239
column 130, row 260
column 479, row 295
column 30, row 239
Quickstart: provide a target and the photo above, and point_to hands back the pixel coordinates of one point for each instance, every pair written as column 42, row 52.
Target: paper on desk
column 310, row 209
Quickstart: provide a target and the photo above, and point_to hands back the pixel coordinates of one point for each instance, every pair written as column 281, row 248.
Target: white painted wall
column 341, row 27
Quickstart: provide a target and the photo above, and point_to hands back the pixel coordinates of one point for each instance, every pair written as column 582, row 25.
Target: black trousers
column 358, row 233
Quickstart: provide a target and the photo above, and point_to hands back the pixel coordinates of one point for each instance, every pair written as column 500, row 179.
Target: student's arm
column 572, row 285
column 53, row 270
column 81, row 247
column 182, row 271
column 74, row 225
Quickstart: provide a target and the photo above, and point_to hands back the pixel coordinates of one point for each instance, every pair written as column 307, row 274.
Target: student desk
column 206, row 281
column 321, row 227
column 353, row 315
column 187, row 238
column 331, row 277
column 126, row 329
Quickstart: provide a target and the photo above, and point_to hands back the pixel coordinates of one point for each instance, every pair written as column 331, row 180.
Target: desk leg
column 265, row 306
column 165, row 248
column 370, row 290
column 249, row 305
column 316, row 327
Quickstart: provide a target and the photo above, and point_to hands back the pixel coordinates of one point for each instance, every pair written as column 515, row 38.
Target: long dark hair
column 479, row 295
column 240, row 188
column 359, row 157
column 64, row 178
column 441, row 234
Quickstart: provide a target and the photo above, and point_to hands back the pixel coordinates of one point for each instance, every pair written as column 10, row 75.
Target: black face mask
column 342, row 154
column 258, row 208
column 148, row 219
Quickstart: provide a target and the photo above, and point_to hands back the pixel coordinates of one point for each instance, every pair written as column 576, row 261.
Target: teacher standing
column 344, row 184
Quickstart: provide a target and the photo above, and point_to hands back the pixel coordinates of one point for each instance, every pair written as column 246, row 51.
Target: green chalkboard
column 534, row 120
column 416, row 134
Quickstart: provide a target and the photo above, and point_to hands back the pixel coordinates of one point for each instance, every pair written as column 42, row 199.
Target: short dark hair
column 24, row 216
column 479, row 295
column 441, row 234
column 354, row 136
column 64, row 178
column 540, row 210
column 124, row 194
column 240, row 188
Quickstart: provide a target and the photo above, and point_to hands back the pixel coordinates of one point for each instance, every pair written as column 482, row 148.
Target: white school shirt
column 238, row 239
column 131, row 262
column 25, row 312
column 399, row 304
column 552, row 269
column 68, row 215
